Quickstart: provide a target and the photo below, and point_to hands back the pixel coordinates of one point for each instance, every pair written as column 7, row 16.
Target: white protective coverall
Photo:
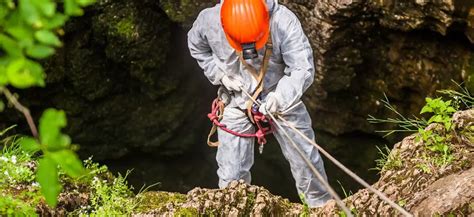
column 290, row 73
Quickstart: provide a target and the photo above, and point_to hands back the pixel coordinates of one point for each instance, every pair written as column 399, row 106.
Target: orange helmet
column 246, row 24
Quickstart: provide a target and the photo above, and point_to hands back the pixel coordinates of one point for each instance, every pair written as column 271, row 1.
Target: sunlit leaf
column 426, row 109
column 22, row 34
column 51, row 123
column 47, row 177
column 29, row 145
column 72, row 8
column 10, row 46
column 3, row 75
column 69, row 162
column 84, row 3
column 39, row 51
column 56, row 21
column 47, row 37
column 30, row 13
column 23, row 73
column 46, row 7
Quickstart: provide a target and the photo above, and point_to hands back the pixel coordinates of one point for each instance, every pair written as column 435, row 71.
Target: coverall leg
column 235, row 155
column 306, row 182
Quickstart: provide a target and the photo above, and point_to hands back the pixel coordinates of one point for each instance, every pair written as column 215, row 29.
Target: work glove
column 231, row 84
column 271, row 104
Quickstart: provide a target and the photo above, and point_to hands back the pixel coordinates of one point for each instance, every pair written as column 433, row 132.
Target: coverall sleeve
column 202, row 52
column 298, row 58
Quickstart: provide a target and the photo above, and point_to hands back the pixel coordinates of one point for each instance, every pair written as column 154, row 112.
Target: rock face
column 239, row 199
column 405, row 49
column 121, row 82
column 128, row 84
column 418, row 183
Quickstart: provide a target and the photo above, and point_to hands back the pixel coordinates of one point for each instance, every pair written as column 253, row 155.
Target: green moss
column 186, row 212
column 157, row 200
column 250, row 203
column 126, row 27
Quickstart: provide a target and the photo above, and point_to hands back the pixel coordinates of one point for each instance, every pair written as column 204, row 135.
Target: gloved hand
column 231, row 84
column 271, row 104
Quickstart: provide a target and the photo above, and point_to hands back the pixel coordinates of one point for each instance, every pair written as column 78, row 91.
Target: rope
column 336, row 162
column 308, row 162
column 348, row 171
column 315, row 171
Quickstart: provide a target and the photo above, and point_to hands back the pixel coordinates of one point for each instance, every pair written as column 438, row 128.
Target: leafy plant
column 388, row 160
column 434, row 140
column 110, row 197
column 442, row 111
column 306, row 210
column 56, row 149
column 12, row 206
column 404, row 124
column 29, row 32
column 14, row 168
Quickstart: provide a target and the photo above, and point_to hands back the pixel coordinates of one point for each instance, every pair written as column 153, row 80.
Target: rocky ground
column 410, row 178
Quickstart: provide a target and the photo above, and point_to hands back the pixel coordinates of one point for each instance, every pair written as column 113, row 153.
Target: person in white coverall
column 290, row 73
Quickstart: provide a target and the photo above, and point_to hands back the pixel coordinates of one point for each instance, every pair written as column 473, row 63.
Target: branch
column 18, row 106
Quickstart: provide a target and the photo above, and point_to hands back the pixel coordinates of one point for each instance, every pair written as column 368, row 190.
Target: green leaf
column 29, row 145
column 30, row 13
column 23, row 73
column 46, row 7
column 71, row 8
column 10, row 46
column 69, row 162
column 22, row 34
column 84, row 3
column 47, row 37
column 2, row 106
column 451, row 110
column 3, row 75
column 426, row 109
column 39, row 51
column 51, row 123
column 47, row 177
column 56, row 21
column 435, row 119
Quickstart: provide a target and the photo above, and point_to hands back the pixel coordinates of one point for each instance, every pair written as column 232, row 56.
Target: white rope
column 348, row 171
column 315, row 171
column 334, row 160
column 308, row 162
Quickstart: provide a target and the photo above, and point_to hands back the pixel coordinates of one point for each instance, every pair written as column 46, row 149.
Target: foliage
column 388, row 160
column 438, row 140
column 404, row 124
column 56, row 149
column 306, row 210
column 109, row 195
column 14, row 164
column 12, row 206
column 29, row 32
column 20, row 194
column 16, row 170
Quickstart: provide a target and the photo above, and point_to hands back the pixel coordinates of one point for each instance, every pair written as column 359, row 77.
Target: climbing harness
column 263, row 124
column 261, row 121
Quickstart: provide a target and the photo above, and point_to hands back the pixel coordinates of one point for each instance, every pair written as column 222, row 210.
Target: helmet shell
column 245, row 21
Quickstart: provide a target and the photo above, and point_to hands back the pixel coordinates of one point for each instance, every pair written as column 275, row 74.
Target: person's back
column 290, row 72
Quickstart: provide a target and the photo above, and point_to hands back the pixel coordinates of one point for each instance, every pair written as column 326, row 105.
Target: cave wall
column 127, row 82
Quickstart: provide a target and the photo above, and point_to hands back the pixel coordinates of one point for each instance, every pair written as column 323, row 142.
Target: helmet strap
column 249, row 51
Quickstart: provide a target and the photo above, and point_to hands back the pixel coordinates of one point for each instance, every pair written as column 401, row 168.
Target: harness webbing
column 256, row 118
